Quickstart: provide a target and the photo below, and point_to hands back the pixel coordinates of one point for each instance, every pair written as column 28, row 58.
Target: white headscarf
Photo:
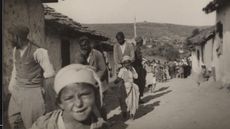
column 126, row 58
column 77, row 73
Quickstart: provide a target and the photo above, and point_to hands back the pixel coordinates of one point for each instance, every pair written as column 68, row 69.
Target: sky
column 184, row 12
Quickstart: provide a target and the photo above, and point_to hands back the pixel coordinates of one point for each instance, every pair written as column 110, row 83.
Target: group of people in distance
column 76, row 92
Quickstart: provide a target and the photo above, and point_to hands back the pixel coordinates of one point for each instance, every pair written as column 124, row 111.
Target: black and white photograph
column 115, row 64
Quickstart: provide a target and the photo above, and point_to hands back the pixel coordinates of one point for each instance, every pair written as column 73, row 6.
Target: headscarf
column 77, row 73
column 126, row 58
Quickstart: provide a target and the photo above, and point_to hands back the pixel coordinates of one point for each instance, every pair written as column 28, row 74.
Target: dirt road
column 179, row 104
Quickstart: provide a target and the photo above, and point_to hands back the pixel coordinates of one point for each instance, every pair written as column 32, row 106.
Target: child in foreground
column 76, row 86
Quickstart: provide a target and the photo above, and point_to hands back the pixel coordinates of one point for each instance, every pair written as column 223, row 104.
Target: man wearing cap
column 137, row 64
column 121, row 49
column 93, row 58
column 31, row 65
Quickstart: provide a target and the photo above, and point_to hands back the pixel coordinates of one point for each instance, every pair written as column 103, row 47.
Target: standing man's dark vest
column 29, row 72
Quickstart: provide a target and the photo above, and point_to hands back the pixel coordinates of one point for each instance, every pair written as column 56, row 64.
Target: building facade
column 62, row 35
column 222, row 39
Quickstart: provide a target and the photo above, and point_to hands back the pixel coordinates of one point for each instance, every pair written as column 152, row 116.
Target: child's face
column 126, row 64
column 77, row 101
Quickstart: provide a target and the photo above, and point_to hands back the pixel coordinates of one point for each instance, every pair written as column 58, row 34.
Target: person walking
column 94, row 58
column 121, row 49
column 150, row 77
column 137, row 64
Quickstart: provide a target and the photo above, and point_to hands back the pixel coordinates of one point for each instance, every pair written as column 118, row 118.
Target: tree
column 195, row 32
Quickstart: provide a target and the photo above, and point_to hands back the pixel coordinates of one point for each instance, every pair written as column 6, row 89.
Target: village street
column 179, row 104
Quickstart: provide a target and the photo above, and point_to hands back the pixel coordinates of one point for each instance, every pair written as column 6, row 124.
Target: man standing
column 121, row 49
column 137, row 64
column 31, row 65
column 94, row 58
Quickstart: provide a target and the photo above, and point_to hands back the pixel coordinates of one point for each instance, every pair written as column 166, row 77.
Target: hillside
column 163, row 40
column 146, row 29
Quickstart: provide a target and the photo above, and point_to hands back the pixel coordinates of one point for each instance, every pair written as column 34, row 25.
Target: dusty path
column 179, row 104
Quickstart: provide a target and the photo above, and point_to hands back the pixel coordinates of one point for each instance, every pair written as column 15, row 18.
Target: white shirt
column 127, row 75
column 123, row 48
column 41, row 57
column 89, row 57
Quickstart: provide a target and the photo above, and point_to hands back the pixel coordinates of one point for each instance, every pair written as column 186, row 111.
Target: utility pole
column 135, row 28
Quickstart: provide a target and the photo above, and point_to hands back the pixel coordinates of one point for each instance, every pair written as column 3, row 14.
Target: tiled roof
column 214, row 5
column 51, row 16
column 203, row 36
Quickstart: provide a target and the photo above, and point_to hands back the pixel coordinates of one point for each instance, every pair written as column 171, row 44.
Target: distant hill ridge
column 146, row 29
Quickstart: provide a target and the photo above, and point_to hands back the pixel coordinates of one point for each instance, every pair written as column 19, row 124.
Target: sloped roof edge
column 203, row 36
column 52, row 16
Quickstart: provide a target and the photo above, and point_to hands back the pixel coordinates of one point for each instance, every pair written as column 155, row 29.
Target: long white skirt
column 132, row 100
column 150, row 79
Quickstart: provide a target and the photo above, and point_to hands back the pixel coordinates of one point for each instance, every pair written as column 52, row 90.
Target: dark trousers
column 122, row 96
column 140, row 81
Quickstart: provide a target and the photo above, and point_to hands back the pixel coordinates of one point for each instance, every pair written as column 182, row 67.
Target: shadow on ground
column 145, row 109
column 117, row 122
column 111, row 100
column 161, row 89
column 149, row 98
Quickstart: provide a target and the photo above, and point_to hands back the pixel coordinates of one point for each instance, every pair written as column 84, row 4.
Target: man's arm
column 12, row 79
column 135, row 75
column 116, row 57
column 13, row 74
column 101, row 65
column 42, row 57
column 132, row 52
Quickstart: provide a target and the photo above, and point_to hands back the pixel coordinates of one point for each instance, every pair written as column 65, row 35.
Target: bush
column 166, row 50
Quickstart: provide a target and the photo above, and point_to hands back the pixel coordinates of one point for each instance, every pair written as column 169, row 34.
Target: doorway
column 65, row 52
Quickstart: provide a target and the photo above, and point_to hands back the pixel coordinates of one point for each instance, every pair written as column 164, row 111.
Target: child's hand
column 131, row 69
column 117, row 80
column 102, row 124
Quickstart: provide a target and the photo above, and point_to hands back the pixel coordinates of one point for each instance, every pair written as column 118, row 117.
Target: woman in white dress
column 150, row 77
